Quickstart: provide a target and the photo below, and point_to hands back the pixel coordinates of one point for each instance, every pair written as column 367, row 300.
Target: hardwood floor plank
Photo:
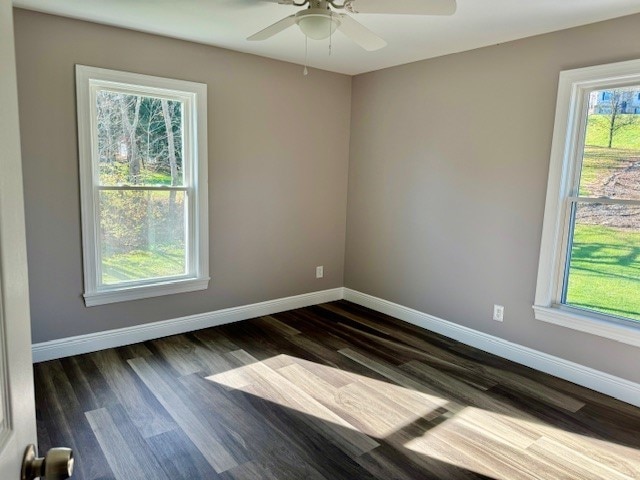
column 67, row 425
column 372, row 411
column 88, row 384
column 272, row 386
column 179, row 458
column 451, row 443
column 273, row 323
column 133, row 351
column 614, row 418
column 210, row 361
column 495, row 418
column 126, row 462
column 574, row 463
column 328, row 392
column 319, row 447
column 310, row 383
column 313, row 325
column 464, row 373
column 207, row 441
column 534, row 389
column 265, row 343
column 235, row 378
column 453, row 388
column 617, row 448
column 268, row 429
column 385, row 462
column 180, row 353
column 236, row 416
column 44, row 414
column 433, row 467
column 330, row 374
column 250, row 471
column 143, row 408
column 215, row 340
column 401, row 379
column 409, row 334
column 342, row 402
column 494, row 376
column 327, row 341
column 321, row 355
column 511, row 425
column 514, row 380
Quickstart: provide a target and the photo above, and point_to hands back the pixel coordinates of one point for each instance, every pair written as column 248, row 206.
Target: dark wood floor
column 334, row 391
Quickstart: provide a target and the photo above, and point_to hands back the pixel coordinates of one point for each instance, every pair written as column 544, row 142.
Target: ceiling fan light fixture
column 317, row 26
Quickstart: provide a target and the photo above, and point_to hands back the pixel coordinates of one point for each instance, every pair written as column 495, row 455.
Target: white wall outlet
column 498, row 313
column 319, row 271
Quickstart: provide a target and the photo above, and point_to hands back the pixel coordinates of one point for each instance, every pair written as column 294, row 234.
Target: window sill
column 583, row 322
column 138, row 292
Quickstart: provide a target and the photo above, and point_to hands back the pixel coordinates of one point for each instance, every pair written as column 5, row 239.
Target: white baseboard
column 616, row 387
column 92, row 342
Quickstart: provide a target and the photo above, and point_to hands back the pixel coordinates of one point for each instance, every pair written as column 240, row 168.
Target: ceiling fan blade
column 406, row 7
column 271, row 30
column 360, row 34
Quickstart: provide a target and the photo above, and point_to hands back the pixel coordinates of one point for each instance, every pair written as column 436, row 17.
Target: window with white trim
column 143, row 181
column 589, row 271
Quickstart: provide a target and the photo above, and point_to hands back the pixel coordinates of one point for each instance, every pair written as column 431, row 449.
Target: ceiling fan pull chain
column 330, row 38
column 305, row 72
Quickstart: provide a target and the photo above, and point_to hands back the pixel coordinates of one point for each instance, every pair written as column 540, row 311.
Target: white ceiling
column 227, row 23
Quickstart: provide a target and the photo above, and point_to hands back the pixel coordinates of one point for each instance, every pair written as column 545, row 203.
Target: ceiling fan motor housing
column 317, row 23
column 319, row 20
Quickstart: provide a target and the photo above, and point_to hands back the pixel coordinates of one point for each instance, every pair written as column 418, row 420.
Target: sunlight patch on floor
column 507, row 441
column 408, row 414
column 373, row 407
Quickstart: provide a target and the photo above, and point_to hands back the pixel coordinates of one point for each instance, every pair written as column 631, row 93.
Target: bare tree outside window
column 140, row 146
column 139, row 140
column 619, row 108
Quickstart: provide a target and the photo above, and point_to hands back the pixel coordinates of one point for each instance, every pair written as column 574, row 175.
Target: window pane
column 604, row 273
column 139, row 140
column 142, row 235
column 611, row 161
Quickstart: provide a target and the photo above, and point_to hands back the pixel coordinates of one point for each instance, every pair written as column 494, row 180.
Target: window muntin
column 143, row 184
column 579, row 236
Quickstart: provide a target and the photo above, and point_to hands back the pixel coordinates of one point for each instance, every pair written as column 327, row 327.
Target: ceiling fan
column 319, row 20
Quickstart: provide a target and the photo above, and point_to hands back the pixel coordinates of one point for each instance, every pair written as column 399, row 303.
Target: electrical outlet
column 498, row 313
column 319, row 271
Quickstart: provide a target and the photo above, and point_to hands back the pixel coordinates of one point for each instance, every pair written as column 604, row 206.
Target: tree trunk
column 130, row 128
column 170, row 141
column 612, row 128
column 172, row 161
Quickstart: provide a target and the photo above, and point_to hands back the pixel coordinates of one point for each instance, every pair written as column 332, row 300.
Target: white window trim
column 195, row 94
column 570, row 122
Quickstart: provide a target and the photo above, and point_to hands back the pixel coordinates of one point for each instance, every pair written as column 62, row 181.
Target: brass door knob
column 57, row 464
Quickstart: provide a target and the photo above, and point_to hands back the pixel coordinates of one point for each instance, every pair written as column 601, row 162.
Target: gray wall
column 448, row 171
column 278, row 162
column 447, row 178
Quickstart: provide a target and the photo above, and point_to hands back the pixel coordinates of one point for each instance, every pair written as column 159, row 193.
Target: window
column 589, row 272
column 143, row 178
